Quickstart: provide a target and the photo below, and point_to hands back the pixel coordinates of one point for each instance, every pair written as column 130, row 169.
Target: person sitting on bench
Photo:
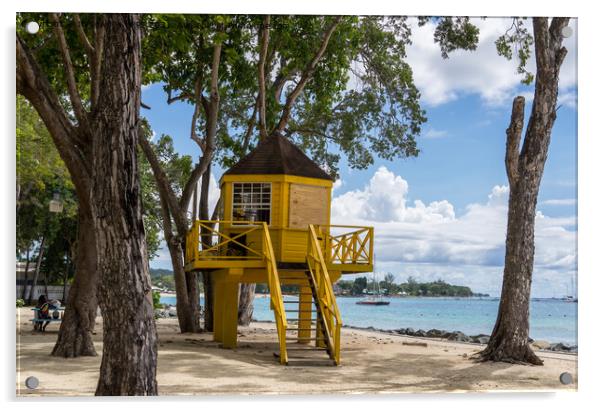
column 43, row 313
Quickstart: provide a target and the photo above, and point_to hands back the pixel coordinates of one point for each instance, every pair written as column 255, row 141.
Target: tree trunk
column 36, row 273
column 65, row 279
column 184, row 307
column 77, row 327
column 245, row 303
column 129, row 359
column 207, row 282
column 509, row 339
column 192, row 283
column 208, row 302
column 46, row 284
column 24, row 291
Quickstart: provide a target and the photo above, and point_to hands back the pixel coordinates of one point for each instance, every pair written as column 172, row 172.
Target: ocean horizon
column 553, row 320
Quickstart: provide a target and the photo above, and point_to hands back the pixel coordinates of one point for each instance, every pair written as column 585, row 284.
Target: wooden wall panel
column 308, row 205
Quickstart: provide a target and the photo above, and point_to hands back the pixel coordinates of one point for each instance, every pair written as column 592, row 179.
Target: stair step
column 302, row 311
column 301, row 328
column 311, row 362
column 311, row 339
column 296, row 301
column 306, row 349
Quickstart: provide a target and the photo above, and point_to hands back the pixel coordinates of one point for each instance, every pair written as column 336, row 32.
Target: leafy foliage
column 178, row 169
column 517, row 40
column 361, row 101
column 360, row 286
column 40, row 174
column 157, row 300
column 38, row 162
column 453, row 33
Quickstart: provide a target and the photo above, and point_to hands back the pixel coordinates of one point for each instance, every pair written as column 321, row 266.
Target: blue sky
column 442, row 214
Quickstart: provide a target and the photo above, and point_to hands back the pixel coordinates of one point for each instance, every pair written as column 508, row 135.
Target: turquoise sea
column 551, row 319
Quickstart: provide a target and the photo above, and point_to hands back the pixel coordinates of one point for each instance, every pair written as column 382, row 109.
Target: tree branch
column 83, row 37
column 250, row 125
column 164, row 186
column 99, row 38
column 265, row 39
column 211, row 129
column 181, row 97
column 306, row 75
column 513, row 136
column 33, row 84
column 196, row 114
column 76, row 101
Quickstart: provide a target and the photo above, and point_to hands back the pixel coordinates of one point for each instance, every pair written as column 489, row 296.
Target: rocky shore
column 457, row 336
column 170, row 311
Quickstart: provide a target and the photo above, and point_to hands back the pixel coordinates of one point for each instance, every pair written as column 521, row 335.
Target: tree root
column 522, row 355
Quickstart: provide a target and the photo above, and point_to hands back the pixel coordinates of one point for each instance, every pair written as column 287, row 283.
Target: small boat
column 372, row 301
column 569, row 297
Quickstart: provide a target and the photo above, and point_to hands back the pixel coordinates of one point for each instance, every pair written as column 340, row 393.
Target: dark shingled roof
column 277, row 155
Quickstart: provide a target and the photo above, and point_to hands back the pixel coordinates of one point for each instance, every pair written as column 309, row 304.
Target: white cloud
column 214, row 194
column 384, row 200
column 431, row 241
column 560, row 202
column 567, row 98
column 482, row 71
column 432, row 133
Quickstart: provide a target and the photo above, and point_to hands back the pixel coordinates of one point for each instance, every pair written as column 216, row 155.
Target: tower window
column 251, row 202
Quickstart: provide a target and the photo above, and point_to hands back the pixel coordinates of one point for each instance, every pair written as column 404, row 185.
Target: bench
column 37, row 319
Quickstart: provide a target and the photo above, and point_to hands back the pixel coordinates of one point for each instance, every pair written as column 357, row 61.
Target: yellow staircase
column 238, row 252
column 318, row 317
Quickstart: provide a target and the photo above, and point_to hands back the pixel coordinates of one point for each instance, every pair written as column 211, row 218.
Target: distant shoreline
column 493, row 298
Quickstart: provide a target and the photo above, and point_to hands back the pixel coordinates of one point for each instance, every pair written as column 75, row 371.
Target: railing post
column 198, row 239
column 371, row 233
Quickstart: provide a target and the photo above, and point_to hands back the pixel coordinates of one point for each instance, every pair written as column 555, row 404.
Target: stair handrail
column 276, row 302
column 326, row 291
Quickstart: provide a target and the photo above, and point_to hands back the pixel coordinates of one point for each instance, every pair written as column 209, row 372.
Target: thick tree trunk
column 129, row 359
column 509, row 339
column 36, row 273
column 100, row 153
column 245, row 303
column 77, row 327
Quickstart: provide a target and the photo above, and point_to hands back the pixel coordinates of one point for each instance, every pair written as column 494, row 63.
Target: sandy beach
column 372, row 362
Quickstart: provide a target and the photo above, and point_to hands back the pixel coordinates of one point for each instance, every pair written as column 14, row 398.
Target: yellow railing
column 220, row 246
column 355, row 245
column 325, row 294
column 276, row 300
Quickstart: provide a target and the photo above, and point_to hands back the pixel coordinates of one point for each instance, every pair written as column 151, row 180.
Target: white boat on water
column 374, row 300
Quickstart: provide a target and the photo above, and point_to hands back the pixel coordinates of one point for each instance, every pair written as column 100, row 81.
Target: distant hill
column 162, row 278
column 155, row 273
column 361, row 286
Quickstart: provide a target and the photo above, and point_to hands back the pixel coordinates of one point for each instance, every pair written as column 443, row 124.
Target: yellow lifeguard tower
column 274, row 227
